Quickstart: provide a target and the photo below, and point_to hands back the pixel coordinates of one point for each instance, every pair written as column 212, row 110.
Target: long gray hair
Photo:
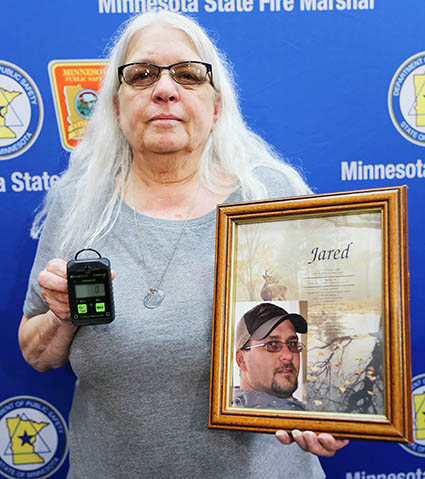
column 99, row 165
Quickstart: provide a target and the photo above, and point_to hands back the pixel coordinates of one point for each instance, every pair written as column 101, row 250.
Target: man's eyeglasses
column 277, row 346
column 146, row 74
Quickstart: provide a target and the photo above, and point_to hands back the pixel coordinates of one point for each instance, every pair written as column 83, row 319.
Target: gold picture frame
column 341, row 261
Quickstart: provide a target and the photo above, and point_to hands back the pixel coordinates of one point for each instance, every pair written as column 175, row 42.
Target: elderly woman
column 165, row 145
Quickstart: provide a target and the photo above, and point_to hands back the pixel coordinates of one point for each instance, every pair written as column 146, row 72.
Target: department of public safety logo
column 406, row 99
column 418, row 399
column 21, row 111
column 33, row 438
column 75, row 84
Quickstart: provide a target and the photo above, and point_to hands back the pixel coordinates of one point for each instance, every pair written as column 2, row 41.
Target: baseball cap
column 259, row 322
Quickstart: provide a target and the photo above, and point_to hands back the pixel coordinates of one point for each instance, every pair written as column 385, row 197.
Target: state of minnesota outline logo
column 75, row 84
column 33, row 438
column 418, row 399
column 406, row 99
column 21, row 111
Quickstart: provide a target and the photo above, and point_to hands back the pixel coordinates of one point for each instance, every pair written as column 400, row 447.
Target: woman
column 166, row 144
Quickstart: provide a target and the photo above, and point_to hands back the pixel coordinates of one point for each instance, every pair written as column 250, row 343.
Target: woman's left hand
column 323, row 444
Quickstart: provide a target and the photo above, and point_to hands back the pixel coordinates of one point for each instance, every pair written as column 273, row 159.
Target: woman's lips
column 166, row 119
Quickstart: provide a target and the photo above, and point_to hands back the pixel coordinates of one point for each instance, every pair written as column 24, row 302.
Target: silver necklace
column 153, row 298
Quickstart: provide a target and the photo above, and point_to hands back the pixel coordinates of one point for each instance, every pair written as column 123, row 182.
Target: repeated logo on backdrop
column 406, row 99
column 75, row 84
column 33, row 438
column 21, row 111
column 418, row 399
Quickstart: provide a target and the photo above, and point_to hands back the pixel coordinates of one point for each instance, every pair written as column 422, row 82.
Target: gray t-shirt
column 140, row 406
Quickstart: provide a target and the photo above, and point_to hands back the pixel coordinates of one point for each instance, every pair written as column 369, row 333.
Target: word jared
column 327, row 254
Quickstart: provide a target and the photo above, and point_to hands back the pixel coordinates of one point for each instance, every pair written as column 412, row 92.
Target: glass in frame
column 339, row 260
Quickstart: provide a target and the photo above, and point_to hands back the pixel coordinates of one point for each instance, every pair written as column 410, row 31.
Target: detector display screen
column 91, row 300
column 89, row 290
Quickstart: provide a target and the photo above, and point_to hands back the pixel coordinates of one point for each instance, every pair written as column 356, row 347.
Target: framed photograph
column 311, row 316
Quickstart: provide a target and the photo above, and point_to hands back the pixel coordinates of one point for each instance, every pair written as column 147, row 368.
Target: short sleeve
column 281, row 183
column 47, row 249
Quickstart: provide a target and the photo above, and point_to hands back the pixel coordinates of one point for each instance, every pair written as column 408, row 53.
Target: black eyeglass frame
column 298, row 348
column 169, row 68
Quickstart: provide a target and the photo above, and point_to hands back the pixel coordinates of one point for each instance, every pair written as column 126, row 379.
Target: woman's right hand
column 54, row 289
column 45, row 339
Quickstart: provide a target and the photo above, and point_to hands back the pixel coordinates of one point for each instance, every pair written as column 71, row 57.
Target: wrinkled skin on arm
column 45, row 339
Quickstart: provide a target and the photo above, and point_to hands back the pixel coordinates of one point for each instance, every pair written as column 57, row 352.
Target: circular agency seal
column 33, row 438
column 418, row 399
column 406, row 99
column 21, row 111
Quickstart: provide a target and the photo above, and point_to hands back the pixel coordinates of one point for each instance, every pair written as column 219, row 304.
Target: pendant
column 153, row 298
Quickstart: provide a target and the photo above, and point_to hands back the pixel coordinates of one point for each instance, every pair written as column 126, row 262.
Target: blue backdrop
column 341, row 91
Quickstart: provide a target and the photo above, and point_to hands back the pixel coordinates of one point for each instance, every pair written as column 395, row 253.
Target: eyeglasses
column 277, row 346
column 146, row 74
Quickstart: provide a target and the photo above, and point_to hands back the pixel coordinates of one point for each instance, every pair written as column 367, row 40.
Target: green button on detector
column 100, row 307
column 82, row 308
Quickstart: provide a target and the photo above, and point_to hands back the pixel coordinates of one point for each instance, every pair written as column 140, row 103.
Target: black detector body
column 90, row 290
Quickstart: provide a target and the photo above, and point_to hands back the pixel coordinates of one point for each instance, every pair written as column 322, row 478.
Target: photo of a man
column 268, row 355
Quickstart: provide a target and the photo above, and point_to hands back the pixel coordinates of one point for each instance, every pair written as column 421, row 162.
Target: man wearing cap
column 268, row 356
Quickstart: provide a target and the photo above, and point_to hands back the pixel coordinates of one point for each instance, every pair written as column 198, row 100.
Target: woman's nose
column 165, row 88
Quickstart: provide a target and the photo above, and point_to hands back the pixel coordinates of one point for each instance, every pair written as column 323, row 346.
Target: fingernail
column 296, row 433
column 279, row 433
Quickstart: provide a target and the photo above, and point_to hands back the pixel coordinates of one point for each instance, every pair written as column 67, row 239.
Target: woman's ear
column 216, row 112
column 116, row 106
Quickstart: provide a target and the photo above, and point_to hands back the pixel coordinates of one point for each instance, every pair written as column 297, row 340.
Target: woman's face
column 165, row 117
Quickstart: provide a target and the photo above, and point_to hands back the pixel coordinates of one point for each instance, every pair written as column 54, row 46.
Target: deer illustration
column 272, row 291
